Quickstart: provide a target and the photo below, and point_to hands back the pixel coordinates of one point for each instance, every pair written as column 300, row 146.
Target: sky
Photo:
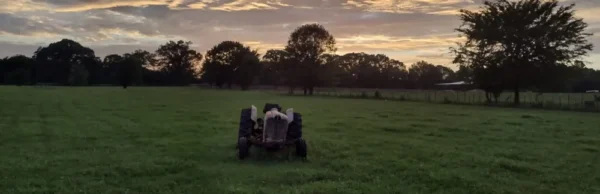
column 406, row 30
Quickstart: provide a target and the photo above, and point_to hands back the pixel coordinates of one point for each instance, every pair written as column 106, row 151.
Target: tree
column 363, row 70
column 525, row 43
column 178, row 60
column 332, row 73
column 306, row 45
column 133, row 66
column 464, row 73
column 230, row 62
column 54, row 62
column 111, row 65
column 16, row 70
column 129, row 71
column 78, row 75
column 425, row 75
column 275, row 63
column 248, row 70
column 145, row 59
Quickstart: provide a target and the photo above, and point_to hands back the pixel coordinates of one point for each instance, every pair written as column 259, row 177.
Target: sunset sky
column 407, row 30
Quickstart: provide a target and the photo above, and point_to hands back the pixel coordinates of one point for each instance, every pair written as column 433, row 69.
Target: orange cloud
column 444, row 7
column 263, row 47
column 111, row 4
column 22, row 6
column 589, row 15
column 244, row 5
column 397, row 43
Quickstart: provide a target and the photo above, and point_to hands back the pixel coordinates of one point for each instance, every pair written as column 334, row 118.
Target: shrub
column 377, row 94
column 590, row 104
column 364, row 95
column 447, row 100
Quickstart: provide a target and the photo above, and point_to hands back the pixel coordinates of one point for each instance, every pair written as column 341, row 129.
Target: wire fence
column 589, row 102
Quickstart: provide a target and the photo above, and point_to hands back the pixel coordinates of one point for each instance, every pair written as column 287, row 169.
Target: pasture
column 181, row 140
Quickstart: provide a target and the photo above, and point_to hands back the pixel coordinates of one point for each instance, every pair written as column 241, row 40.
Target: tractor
column 275, row 132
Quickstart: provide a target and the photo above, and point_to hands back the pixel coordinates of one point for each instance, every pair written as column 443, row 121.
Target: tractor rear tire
column 301, row 148
column 243, row 148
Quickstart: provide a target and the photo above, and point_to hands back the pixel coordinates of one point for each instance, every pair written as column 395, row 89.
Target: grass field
column 181, row 140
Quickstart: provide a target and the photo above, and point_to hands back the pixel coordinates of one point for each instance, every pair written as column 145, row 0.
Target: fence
column 559, row 101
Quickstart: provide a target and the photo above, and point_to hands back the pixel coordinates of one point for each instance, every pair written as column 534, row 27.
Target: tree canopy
column 178, row 61
column 521, row 44
column 63, row 62
column 231, row 62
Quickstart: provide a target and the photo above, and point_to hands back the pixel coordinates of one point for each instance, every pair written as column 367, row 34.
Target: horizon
column 408, row 31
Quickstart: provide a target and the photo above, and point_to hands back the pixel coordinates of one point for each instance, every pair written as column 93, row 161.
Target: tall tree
column 526, row 42
column 306, row 45
column 129, row 71
column 230, row 62
column 178, row 61
column 111, row 65
column 54, row 62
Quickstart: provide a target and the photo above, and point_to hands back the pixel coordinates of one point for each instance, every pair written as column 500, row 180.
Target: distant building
column 460, row 85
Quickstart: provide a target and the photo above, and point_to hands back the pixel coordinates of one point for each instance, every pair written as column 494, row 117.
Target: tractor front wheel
column 243, row 148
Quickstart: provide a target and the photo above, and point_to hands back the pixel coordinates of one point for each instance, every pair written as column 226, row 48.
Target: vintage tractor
column 275, row 132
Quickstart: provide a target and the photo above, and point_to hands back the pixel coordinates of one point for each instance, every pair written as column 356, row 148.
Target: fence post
column 569, row 100
column 582, row 101
column 560, row 101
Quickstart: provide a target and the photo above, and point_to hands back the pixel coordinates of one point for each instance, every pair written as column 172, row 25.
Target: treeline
column 67, row 62
column 298, row 66
column 513, row 46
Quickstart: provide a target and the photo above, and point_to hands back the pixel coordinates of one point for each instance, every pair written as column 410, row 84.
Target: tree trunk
column 310, row 90
column 291, row 91
column 305, row 90
column 487, row 97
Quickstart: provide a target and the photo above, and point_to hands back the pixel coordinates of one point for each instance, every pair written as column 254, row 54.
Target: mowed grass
column 181, row 140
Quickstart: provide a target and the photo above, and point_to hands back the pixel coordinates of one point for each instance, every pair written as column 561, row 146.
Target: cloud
column 408, row 6
column 104, row 4
column 15, row 6
column 263, row 47
column 380, row 42
column 244, row 5
column 407, row 30
column 33, row 26
column 590, row 15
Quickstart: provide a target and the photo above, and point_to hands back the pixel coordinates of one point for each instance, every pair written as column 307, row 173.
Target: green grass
column 181, row 140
